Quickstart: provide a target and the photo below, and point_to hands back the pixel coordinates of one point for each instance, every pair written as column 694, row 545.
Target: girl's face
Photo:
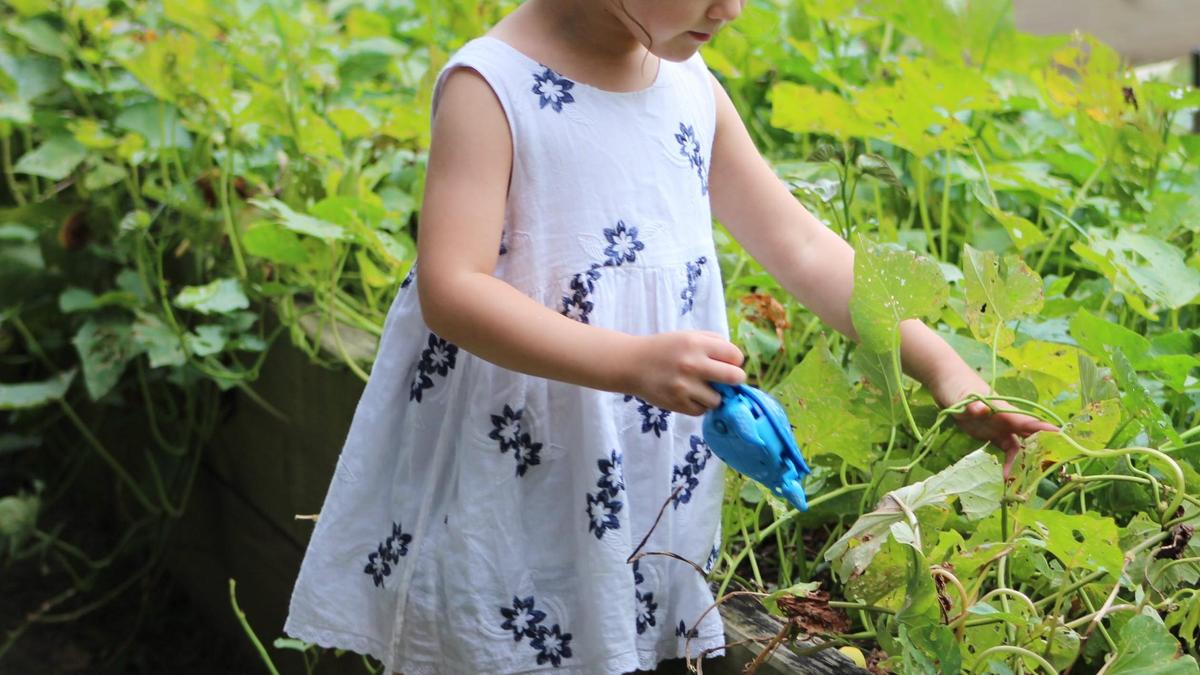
column 675, row 29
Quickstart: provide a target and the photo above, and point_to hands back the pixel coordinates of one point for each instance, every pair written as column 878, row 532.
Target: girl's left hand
column 978, row 420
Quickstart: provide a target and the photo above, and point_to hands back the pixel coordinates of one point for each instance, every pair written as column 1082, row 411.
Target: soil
column 168, row 635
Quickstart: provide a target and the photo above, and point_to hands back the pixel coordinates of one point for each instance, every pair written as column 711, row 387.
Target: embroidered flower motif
column 638, row 577
column 654, row 419
column 577, row 307
column 700, row 453
column 689, row 294
column 682, row 631
column 689, row 146
column 552, row 89
column 612, row 474
column 712, row 559
column 602, row 513
column 646, row 607
column 437, row 358
column 585, row 282
column 522, row 619
column 506, row 428
column 688, row 474
column 387, row 553
column 503, row 247
column 526, row 454
column 552, row 645
column 623, row 244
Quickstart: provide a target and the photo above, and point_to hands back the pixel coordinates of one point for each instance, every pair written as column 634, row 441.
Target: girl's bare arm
column 810, row 261
column 470, row 159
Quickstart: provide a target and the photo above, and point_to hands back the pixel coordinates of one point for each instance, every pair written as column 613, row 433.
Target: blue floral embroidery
column 552, row 89
column 550, row 643
column 689, row 294
column 523, row 620
column 386, row 554
column 576, row 306
column 506, row 428
column 682, row 631
column 602, row 513
column 623, row 244
column 503, row 248
column 437, row 358
column 645, row 601
column 689, row 146
column 585, row 282
column 688, row 474
column 408, row 278
column 612, row 474
column 654, row 419
column 645, row 614
column 712, row 559
column 603, row 507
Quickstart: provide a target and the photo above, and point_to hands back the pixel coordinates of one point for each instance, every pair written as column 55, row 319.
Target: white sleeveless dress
column 479, row 519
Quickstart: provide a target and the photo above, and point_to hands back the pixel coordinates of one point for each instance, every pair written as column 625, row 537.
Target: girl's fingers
column 725, row 373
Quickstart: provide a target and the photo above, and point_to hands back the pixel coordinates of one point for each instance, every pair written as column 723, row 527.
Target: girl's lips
column 702, row 37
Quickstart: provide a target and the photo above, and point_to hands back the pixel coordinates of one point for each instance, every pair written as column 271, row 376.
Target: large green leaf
column 975, row 481
column 104, row 348
column 820, row 403
column 219, row 296
column 890, row 285
column 998, row 291
column 35, row 394
column 1084, row 541
column 1145, row 646
column 55, row 159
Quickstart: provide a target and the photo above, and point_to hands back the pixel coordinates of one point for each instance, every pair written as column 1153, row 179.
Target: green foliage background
column 186, row 182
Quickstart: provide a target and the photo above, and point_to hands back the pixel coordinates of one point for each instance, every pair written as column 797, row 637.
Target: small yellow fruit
column 854, row 655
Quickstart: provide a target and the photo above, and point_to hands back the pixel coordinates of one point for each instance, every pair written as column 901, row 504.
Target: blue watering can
column 750, row 432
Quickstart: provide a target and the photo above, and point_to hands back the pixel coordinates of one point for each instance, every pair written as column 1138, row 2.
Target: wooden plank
column 744, row 618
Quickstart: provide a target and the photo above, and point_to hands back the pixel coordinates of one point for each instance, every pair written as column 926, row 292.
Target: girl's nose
column 726, row 10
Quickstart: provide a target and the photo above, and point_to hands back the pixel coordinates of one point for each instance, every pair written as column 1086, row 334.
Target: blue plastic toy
column 750, row 432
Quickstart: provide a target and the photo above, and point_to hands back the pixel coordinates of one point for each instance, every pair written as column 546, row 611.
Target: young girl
column 538, row 391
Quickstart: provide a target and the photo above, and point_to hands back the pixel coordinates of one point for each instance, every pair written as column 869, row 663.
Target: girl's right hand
column 672, row 370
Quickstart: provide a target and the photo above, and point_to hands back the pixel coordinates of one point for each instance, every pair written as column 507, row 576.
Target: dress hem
column 340, row 639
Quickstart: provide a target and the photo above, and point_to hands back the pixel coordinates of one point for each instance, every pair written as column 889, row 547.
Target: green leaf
column 156, row 121
column 975, row 480
column 1146, row 646
column 799, row 590
column 206, row 340
column 1139, row 402
column 890, row 286
column 158, row 340
column 104, row 349
column 1091, row 427
column 299, row 222
column 1152, row 267
column 35, row 394
column 18, row 516
column 273, row 242
column 55, row 159
column 1085, row 541
column 998, row 292
column 216, row 297
column 41, row 37
column 819, row 403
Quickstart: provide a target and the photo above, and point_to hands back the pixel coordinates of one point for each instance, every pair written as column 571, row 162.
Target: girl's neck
column 583, row 37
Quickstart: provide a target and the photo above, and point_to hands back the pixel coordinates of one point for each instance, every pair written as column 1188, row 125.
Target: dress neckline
column 659, row 77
